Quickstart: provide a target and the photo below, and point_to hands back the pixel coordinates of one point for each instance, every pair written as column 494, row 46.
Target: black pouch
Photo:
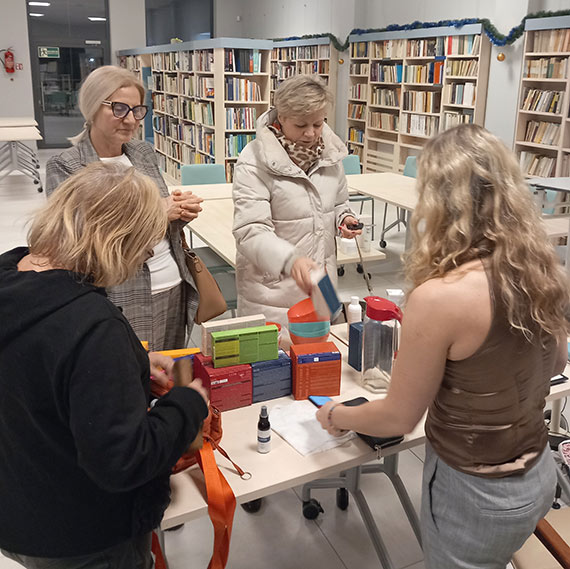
column 373, row 442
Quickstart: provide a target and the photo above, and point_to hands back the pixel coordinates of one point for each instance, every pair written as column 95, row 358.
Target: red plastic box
column 315, row 369
column 230, row 387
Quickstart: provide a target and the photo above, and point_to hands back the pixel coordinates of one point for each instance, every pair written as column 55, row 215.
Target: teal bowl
column 309, row 329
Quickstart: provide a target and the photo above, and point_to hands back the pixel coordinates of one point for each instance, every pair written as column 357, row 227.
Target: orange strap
column 159, row 562
column 221, row 506
column 217, row 447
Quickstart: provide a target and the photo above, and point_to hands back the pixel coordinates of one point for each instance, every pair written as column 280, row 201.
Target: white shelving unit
column 206, row 97
column 310, row 56
column 542, row 136
column 406, row 86
column 140, row 66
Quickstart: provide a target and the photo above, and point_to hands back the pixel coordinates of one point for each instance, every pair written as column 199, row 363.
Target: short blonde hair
column 98, row 86
column 474, row 203
column 100, row 223
column 302, row 95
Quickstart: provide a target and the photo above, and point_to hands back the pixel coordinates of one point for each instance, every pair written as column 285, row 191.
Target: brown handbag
column 212, row 302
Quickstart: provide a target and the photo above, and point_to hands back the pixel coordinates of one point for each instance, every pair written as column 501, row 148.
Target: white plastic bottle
column 353, row 312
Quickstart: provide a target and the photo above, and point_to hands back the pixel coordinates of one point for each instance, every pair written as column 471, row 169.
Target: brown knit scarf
column 303, row 156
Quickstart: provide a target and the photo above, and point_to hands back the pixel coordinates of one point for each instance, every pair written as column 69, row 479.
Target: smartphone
column 560, row 378
column 319, row 400
column 354, row 226
column 355, row 402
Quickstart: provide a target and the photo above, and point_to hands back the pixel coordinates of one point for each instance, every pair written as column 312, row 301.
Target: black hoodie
column 83, row 465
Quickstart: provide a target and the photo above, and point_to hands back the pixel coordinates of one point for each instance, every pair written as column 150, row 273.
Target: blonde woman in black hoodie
column 84, row 466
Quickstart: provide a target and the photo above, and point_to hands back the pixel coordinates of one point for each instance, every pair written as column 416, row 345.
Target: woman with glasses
column 160, row 300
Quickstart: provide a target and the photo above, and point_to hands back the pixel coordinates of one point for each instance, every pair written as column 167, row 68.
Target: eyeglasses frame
column 113, row 103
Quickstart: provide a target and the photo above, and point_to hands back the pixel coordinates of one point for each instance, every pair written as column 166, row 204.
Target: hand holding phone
column 354, row 226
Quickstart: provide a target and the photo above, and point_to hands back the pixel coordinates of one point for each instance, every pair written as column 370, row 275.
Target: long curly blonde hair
column 474, row 203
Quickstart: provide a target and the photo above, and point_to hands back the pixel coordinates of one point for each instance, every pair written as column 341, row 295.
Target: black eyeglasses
column 121, row 110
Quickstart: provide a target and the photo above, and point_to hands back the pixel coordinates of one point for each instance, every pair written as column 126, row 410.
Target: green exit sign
column 48, row 52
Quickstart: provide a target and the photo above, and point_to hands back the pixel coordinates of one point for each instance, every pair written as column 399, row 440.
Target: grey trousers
column 133, row 554
column 169, row 319
column 469, row 522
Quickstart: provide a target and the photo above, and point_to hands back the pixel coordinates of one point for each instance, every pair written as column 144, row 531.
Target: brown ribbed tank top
column 487, row 417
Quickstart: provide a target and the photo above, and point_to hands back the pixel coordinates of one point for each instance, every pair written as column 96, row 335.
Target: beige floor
column 278, row 536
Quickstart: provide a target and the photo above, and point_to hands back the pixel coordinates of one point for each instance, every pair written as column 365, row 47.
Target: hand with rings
column 183, row 205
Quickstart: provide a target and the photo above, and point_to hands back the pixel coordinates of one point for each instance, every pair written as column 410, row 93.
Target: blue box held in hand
column 355, row 346
column 271, row 378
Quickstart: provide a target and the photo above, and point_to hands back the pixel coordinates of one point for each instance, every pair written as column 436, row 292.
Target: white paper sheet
column 297, row 424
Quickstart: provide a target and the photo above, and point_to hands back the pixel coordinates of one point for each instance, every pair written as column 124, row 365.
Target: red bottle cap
column 382, row 309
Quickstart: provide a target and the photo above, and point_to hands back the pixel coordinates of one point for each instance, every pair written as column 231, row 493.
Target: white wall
column 226, row 14
column 269, row 19
column 16, row 98
column 282, row 18
column 127, row 25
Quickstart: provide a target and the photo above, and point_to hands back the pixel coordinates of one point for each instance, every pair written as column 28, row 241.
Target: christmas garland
column 496, row 37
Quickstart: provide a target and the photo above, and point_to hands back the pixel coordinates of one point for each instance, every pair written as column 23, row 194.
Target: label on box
column 312, row 358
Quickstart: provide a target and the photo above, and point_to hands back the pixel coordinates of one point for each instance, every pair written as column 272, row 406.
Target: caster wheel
column 252, row 506
column 36, row 181
column 548, row 416
column 40, row 189
column 342, row 498
column 383, row 244
column 556, row 506
column 369, row 276
column 312, row 509
column 359, row 268
column 340, row 271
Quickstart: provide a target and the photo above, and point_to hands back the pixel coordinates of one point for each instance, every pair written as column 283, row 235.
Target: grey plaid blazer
column 134, row 295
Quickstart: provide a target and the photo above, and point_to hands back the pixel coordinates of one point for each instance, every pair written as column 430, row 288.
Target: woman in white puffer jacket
column 290, row 198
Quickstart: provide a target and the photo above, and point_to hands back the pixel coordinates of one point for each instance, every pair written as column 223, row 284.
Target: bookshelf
column 406, row 86
column 310, row 56
column 140, row 66
column 206, row 96
column 542, row 135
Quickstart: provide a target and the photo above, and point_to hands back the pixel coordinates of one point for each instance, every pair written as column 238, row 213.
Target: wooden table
column 207, row 191
column 555, row 224
column 400, row 191
column 389, row 187
column 214, row 227
column 14, row 154
column 284, row 467
column 17, row 121
column 217, row 191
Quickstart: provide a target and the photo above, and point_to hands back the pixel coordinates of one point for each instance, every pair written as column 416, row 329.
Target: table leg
column 353, row 486
column 568, row 249
column 408, row 243
column 555, row 415
column 391, row 470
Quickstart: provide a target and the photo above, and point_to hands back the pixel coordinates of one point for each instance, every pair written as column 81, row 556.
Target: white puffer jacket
column 282, row 213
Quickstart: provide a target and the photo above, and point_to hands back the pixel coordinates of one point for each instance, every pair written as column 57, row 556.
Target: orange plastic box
column 315, row 369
